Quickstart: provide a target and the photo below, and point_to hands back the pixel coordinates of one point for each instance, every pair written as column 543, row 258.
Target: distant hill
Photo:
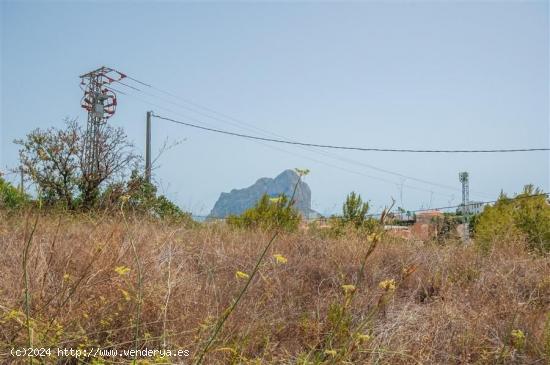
column 239, row 200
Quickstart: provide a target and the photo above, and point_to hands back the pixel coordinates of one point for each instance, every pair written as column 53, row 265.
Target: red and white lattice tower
column 100, row 102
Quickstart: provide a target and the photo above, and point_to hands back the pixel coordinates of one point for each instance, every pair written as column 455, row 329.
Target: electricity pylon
column 100, row 102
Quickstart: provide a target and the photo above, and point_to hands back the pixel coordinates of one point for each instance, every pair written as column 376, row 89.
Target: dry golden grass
column 455, row 305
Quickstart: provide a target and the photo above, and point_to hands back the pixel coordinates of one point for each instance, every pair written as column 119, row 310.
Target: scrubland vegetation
column 309, row 304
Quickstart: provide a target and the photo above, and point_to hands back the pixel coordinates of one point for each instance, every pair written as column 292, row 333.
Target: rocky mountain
column 239, row 200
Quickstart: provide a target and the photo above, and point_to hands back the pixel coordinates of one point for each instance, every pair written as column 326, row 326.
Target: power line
column 247, row 126
column 306, row 157
column 312, row 147
column 365, row 149
column 287, row 140
column 352, row 171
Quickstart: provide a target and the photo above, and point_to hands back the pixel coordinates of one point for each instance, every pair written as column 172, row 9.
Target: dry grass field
column 417, row 303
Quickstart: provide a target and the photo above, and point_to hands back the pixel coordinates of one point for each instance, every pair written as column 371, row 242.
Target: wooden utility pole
column 22, row 186
column 148, row 148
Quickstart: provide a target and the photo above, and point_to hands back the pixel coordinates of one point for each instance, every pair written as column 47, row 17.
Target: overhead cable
column 364, row 149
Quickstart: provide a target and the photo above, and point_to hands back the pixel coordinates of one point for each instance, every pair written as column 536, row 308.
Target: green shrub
column 166, row 209
column 355, row 210
column 527, row 216
column 139, row 196
column 268, row 213
column 10, row 197
column 354, row 217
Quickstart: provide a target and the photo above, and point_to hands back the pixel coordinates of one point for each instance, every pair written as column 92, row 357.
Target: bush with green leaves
column 354, row 216
column 268, row 213
column 525, row 217
column 355, row 210
column 139, row 196
column 11, row 197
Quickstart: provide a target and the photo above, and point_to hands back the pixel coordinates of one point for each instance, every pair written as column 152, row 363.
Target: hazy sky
column 373, row 74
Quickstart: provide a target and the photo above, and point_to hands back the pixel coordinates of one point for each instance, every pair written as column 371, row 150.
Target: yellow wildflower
column 126, row 295
column 373, row 237
column 241, row 275
column 518, row 334
column 388, row 284
column 348, row 289
column 517, row 338
column 301, row 172
column 280, row 259
column 58, row 329
column 122, row 270
column 14, row 314
column 363, row 338
column 330, row 352
column 66, row 277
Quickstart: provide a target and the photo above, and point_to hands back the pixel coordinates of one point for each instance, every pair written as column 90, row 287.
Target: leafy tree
column 50, row 158
column 268, row 213
column 54, row 159
column 525, row 216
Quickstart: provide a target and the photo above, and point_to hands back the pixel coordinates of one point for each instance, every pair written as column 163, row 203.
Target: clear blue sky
column 382, row 74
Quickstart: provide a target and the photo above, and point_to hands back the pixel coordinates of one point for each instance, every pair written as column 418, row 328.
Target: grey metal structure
column 464, row 179
column 100, row 102
column 22, row 182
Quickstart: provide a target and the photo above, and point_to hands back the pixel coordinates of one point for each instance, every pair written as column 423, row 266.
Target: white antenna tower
column 465, row 180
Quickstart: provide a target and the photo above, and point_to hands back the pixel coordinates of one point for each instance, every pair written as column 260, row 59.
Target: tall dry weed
column 458, row 305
